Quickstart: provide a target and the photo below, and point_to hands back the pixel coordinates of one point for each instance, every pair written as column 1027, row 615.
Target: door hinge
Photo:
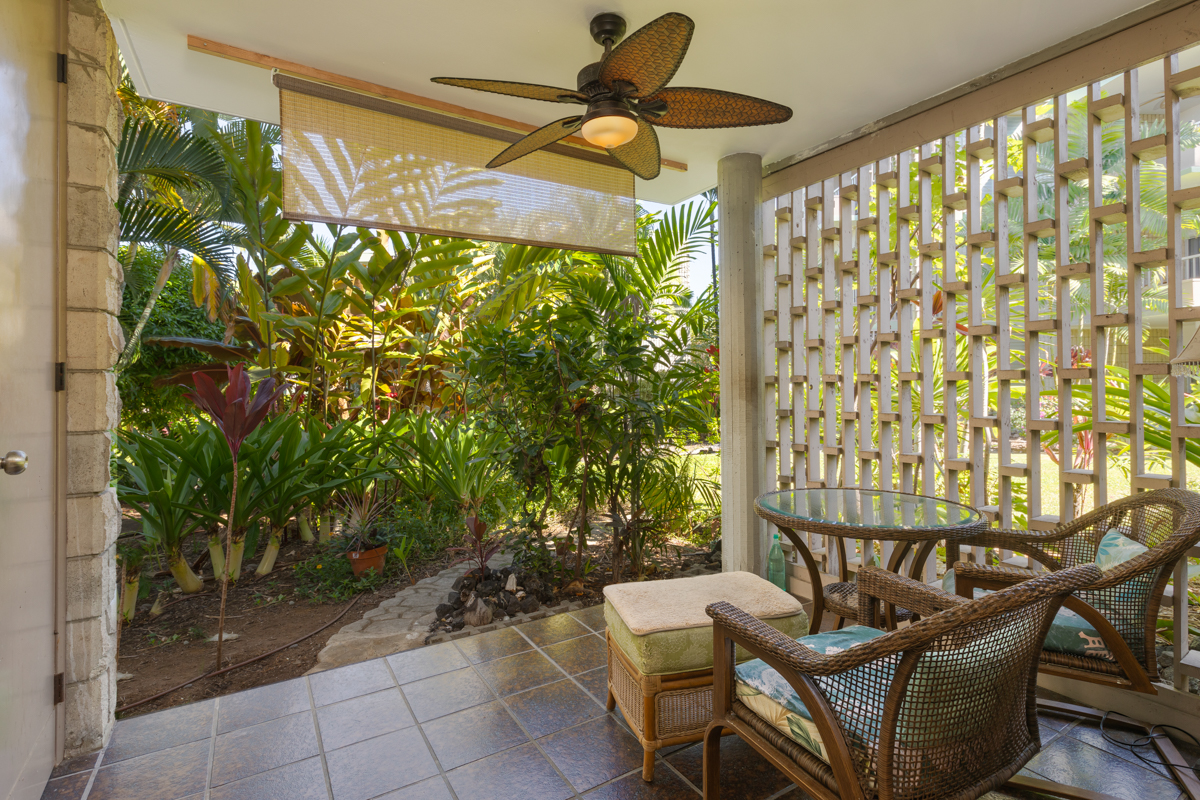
column 60, row 376
column 62, row 67
column 58, row 689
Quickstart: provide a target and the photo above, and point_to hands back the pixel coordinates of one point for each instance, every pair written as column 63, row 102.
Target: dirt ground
column 266, row 613
column 160, row 652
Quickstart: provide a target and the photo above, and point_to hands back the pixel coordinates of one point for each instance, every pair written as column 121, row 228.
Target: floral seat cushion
column 764, row 691
column 1070, row 633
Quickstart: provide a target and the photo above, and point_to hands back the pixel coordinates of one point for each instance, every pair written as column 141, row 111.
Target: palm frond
column 150, row 222
column 159, row 154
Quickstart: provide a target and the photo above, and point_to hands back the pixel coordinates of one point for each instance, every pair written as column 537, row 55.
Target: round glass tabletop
column 868, row 508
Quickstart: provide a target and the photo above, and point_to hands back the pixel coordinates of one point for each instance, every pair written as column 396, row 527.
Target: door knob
column 15, row 462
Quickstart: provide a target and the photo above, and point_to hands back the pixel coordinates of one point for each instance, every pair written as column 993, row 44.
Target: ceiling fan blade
column 712, row 108
column 532, row 91
column 640, row 156
column 649, row 57
column 559, row 129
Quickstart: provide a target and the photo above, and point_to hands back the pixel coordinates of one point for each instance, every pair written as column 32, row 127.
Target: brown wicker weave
column 1122, row 606
column 956, row 690
column 662, row 710
column 841, row 598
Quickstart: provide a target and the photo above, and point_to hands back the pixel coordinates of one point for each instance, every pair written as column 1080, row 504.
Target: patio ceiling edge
column 1143, row 34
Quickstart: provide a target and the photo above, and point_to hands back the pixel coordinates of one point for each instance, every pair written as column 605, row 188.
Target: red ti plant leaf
column 235, row 412
column 479, row 547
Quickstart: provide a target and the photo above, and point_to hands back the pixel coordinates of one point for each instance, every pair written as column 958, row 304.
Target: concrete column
column 93, row 342
column 743, row 431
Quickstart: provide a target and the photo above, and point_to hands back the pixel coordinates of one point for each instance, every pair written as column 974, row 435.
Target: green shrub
column 328, row 577
column 144, row 406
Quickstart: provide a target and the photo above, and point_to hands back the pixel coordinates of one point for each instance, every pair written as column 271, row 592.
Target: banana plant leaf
column 183, row 375
column 217, row 349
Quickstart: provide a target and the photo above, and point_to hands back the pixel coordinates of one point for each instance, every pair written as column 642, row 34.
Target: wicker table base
column 662, row 709
column 841, row 600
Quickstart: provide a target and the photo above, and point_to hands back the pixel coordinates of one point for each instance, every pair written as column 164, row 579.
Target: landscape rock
column 477, row 612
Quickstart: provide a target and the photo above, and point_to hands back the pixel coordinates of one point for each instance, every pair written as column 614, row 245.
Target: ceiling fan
column 625, row 94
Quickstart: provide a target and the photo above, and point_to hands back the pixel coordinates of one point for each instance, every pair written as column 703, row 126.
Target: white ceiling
column 839, row 65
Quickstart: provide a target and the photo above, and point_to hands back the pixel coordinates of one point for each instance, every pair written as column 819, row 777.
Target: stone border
column 402, row 622
column 541, row 613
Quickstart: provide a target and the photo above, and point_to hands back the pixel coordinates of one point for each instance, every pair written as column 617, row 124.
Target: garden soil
column 265, row 613
column 160, row 652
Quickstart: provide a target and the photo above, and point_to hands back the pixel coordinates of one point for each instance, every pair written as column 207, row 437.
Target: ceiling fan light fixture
column 609, row 124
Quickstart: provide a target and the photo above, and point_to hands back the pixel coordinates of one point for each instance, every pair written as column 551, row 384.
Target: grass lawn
column 1118, row 484
column 708, row 465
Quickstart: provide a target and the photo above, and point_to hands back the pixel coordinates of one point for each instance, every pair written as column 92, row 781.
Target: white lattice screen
column 924, row 306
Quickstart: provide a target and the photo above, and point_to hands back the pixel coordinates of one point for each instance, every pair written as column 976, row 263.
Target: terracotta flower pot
column 363, row 560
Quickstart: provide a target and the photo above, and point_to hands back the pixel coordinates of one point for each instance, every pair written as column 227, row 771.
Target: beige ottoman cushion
column 661, row 625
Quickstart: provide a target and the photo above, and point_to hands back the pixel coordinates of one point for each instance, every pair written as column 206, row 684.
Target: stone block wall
column 94, row 340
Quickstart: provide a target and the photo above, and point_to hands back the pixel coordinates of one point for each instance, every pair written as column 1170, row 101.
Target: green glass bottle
column 776, row 566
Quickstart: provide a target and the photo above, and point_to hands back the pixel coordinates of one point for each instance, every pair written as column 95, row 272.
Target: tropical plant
column 478, row 547
column 334, row 460
column 163, row 489
column 403, row 550
column 462, row 464
column 290, row 465
column 236, row 414
column 364, row 509
column 171, row 184
column 130, row 558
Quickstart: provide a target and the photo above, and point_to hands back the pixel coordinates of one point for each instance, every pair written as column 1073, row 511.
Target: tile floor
column 513, row 714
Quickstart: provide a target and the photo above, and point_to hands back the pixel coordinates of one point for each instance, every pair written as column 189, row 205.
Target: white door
column 28, row 179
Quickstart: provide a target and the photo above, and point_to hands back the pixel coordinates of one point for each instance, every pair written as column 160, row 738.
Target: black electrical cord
column 1146, row 741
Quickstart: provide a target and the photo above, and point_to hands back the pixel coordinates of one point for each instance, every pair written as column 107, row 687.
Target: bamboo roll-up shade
column 360, row 160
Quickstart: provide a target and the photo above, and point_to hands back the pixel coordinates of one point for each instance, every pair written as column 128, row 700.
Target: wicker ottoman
column 660, row 650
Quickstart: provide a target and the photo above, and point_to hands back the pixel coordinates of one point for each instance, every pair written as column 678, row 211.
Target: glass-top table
column 907, row 519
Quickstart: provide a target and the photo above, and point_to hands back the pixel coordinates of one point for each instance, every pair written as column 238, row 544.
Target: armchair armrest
column 968, row 576
column 1032, row 543
column 875, row 585
column 760, row 638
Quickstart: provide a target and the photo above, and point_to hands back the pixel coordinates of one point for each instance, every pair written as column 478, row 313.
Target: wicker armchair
column 944, row 708
column 1122, row 606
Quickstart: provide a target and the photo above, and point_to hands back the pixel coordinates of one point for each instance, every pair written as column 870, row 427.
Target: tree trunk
column 216, row 555
column 182, row 570
column 271, row 553
column 164, row 273
column 228, row 560
column 129, row 594
column 306, row 534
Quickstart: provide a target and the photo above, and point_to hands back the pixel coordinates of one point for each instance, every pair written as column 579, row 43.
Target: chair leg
column 1166, row 748
column 648, row 766
column 712, row 762
column 611, row 703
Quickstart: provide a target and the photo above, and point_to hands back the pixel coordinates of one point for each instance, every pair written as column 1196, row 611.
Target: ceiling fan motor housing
column 610, row 27
column 588, row 81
